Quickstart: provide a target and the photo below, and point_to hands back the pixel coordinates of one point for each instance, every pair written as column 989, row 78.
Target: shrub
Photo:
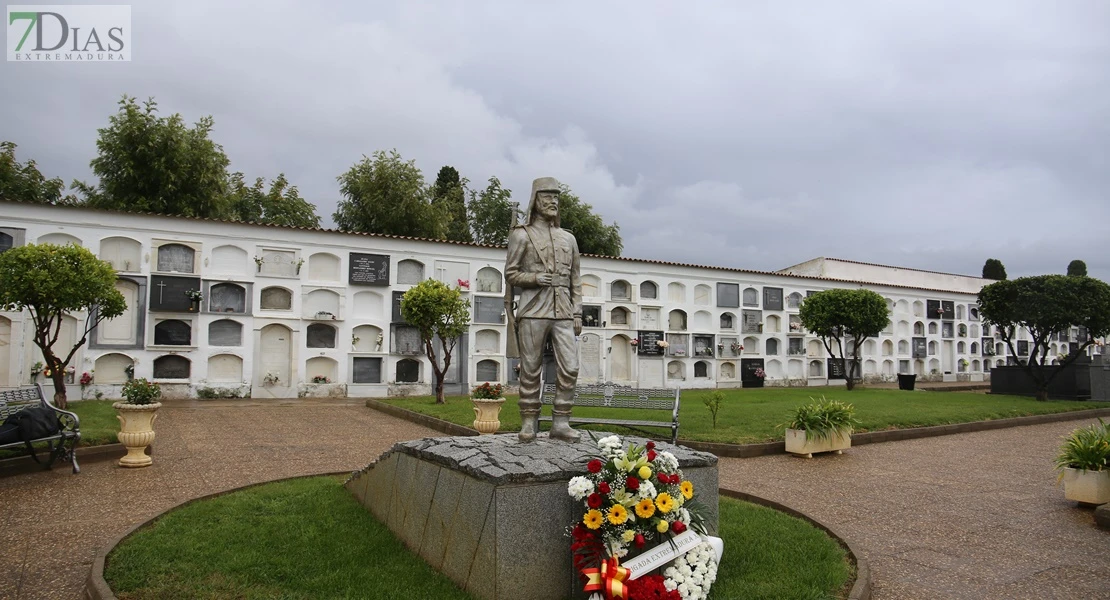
column 141, row 391
column 487, row 391
column 1086, row 449
column 713, row 402
column 822, row 418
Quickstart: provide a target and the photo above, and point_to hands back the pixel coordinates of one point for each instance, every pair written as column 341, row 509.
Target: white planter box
column 1087, row 487
column 796, row 443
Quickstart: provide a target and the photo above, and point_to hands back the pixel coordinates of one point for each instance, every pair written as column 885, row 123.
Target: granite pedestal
column 493, row 514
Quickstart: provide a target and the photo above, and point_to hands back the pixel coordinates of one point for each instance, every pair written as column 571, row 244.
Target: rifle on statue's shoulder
column 512, row 343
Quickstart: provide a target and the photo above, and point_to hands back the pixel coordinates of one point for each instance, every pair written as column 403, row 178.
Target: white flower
column 647, row 490
column 668, row 460
column 670, row 585
column 580, row 487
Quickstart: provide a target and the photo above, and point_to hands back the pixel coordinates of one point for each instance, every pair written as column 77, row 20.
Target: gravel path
column 973, row 516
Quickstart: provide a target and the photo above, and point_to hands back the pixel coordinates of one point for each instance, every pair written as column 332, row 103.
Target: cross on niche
column 161, row 285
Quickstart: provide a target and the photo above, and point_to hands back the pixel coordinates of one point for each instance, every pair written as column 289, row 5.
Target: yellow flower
column 662, row 526
column 645, row 508
column 618, row 514
column 645, row 472
column 664, row 502
column 687, row 489
column 592, row 519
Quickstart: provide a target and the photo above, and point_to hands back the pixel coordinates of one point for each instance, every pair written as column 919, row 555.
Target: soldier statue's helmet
column 543, row 184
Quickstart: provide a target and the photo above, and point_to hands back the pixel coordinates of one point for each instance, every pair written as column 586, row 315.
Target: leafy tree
column 491, row 214
column 386, row 194
column 282, row 205
column 593, row 235
column 440, row 313
column 51, row 281
column 449, row 197
column 841, row 315
column 1046, row 305
column 24, row 182
column 994, row 269
column 1077, row 268
column 148, row 163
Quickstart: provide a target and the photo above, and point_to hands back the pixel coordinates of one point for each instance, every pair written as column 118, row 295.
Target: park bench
column 61, row 444
column 607, row 395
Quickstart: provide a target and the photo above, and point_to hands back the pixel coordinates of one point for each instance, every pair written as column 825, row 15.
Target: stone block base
column 492, row 513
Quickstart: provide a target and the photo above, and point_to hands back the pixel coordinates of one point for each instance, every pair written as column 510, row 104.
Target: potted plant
column 1084, row 465
column 136, row 415
column 820, row 426
column 487, row 400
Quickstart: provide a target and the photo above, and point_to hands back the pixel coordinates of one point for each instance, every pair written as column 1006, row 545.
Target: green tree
column 593, row 235
column 1046, row 305
column 440, row 313
column 491, row 214
column 994, row 269
column 282, row 205
column 449, row 197
column 1077, row 268
column 386, row 194
column 24, row 183
column 148, row 163
column 51, row 281
column 839, row 316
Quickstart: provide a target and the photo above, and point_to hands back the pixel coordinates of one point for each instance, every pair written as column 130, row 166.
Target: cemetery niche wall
column 193, row 294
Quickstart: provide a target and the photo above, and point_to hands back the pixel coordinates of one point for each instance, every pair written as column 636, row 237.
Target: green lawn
column 309, row 538
column 99, row 425
column 756, row 415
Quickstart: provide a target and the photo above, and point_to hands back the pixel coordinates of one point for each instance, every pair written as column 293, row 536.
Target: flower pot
column 486, row 414
column 796, row 443
column 906, row 382
column 136, row 431
column 1087, row 487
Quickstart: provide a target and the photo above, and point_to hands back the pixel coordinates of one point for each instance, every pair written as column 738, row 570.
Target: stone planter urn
column 136, row 431
column 487, row 412
column 1089, row 488
column 796, row 443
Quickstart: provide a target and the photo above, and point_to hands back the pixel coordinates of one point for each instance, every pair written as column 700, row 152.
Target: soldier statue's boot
column 529, row 424
column 560, row 426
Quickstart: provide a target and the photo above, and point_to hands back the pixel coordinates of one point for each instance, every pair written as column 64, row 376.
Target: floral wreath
column 635, row 497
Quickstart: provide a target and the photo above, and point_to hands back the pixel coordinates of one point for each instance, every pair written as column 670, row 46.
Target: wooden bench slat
column 596, row 421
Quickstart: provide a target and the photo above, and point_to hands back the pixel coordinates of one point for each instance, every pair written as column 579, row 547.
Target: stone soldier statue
column 543, row 262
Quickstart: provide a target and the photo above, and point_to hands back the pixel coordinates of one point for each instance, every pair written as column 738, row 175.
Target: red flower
column 604, row 487
column 594, row 501
column 651, row 587
column 594, row 466
column 651, row 445
column 639, row 540
column 678, row 527
column 632, row 484
column 651, row 455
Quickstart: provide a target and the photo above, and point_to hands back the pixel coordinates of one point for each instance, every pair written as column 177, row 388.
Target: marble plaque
column 589, row 358
column 651, row 373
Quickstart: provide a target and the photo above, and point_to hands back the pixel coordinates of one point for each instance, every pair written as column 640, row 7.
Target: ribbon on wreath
column 609, row 579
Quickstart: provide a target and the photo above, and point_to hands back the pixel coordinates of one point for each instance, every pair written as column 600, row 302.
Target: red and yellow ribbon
column 609, row 579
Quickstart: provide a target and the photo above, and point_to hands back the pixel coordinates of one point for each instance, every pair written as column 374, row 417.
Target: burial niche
column 489, row 280
column 124, row 254
column 276, row 298
column 408, row 371
column 620, row 291
column 323, row 266
column 227, row 298
column 649, row 291
column 171, row 367
column 176, row 258
column 410, row 271
column 225, row 368
column 225, row 332
column 173, row 332
column 112, row 368
column 487, row 370
column 319, row 335
column 366, row 369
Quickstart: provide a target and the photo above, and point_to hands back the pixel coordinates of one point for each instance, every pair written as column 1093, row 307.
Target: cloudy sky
column 746, row 134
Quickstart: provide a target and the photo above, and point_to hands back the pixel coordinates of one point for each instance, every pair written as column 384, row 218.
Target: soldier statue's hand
column 544, row 279
column 577, row 325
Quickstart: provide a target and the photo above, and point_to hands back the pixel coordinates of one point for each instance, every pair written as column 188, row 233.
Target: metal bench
column 61, row 444
column 607, row 395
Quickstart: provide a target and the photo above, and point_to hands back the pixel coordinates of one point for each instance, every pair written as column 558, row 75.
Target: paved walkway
column 966, row 516
column 971, row 516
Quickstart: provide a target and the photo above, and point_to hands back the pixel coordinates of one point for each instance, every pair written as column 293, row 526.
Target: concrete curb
column 85, row 454
column 762, row 449
column 96, row 587
column 861, row 587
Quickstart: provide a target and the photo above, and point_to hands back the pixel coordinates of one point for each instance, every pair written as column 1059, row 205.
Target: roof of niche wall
column 781, row 273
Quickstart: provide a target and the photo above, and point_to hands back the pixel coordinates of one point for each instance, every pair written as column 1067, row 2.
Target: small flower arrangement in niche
column 759, row 373
column 464, row 284
column 664, row 344
column 737, row 347
column 321, row 379
column 271, row 379
column 487, row 391
column 86, row 378
column 194, row 295
column 635, row 342
column 638, row 506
